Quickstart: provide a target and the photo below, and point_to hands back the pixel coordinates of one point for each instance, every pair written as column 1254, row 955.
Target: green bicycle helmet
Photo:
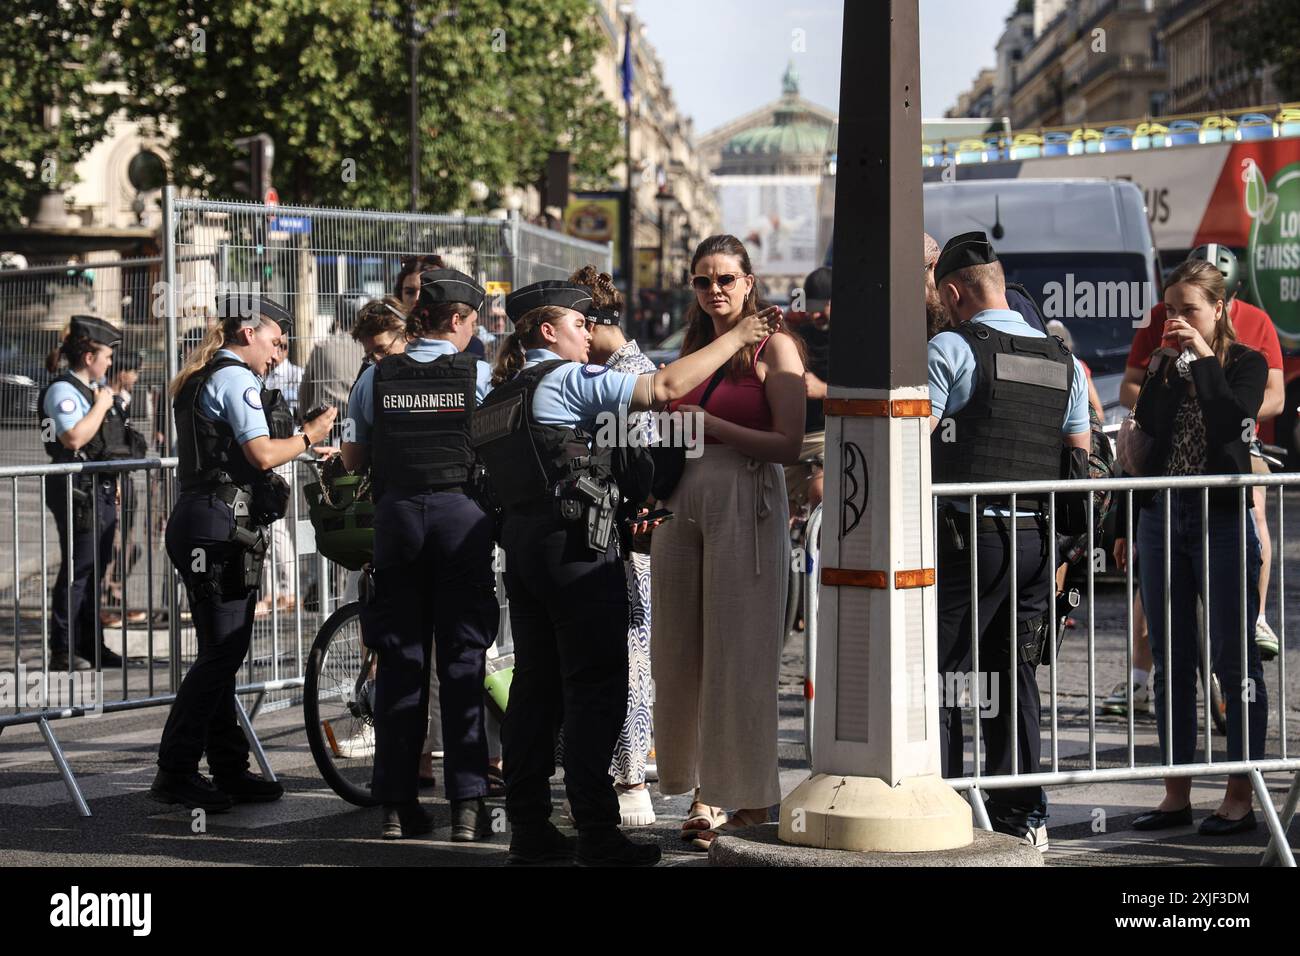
column 1225, row 260
column 343, row 517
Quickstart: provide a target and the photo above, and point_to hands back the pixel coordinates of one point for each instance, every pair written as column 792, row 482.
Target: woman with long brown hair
column 719, row 590
column 1201, row 387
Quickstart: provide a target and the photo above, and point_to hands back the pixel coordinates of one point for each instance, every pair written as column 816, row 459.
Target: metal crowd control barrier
column 154, row 637
column 324, row 264
column 1254, row 765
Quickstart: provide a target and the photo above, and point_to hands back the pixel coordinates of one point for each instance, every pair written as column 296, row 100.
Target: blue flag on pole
column 627, row 65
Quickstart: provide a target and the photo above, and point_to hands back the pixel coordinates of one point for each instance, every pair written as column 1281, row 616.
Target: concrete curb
column 759, row 846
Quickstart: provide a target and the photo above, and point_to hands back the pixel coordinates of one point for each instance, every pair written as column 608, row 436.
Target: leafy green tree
column 500, row 85
column 51, row 112
column 1267, row 33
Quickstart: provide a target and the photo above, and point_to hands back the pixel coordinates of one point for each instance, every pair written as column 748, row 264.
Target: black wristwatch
column 306, row 441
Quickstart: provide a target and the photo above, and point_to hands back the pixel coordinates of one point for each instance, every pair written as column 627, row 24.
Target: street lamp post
column 414, row 31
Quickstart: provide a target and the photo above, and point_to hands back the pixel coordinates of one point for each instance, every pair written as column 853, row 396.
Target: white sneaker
column 1117, row 702
column 635, row 807
column 1266, row 639
column 1037, row 837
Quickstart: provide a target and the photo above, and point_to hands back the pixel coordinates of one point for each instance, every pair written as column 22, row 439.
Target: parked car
column 669, row 349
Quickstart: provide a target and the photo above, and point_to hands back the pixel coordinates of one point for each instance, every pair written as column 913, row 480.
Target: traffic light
column 253, row 170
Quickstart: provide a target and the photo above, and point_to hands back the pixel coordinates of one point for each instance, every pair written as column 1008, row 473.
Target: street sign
column 288, row 225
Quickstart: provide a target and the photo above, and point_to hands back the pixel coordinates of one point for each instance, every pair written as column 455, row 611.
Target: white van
column 1083, row 249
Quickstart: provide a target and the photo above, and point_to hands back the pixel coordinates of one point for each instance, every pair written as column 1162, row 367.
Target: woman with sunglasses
column 538, row 434
column 719, row 588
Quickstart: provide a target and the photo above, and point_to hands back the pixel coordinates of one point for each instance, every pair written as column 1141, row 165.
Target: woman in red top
column 720, row 570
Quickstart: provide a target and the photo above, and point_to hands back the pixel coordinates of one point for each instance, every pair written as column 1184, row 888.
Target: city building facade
column 767, row 166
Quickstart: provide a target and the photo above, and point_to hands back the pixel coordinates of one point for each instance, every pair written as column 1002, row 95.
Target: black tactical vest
column 526, row 460
column 421, row 421
column 109, row 443
column 1010, row 430
column 206, row 447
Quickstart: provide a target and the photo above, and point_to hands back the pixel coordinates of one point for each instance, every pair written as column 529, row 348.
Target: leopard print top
column 1188, row 452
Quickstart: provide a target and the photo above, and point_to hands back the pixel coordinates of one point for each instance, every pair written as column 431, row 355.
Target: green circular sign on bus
column 1274, row 250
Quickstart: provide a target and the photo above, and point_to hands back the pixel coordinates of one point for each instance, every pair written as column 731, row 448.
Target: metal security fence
column 1075, row 748
column 324, row 264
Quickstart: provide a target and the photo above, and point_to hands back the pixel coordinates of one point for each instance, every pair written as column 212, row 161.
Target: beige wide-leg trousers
column 718, row 593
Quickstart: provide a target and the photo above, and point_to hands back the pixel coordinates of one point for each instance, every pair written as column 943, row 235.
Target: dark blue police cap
column 438, row 286
column 567, row 295
column 95, row 329
column 960, row 252
column 252, row 308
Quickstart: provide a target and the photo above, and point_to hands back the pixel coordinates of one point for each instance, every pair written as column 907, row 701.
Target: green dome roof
column 787, row 135
column 788, row 139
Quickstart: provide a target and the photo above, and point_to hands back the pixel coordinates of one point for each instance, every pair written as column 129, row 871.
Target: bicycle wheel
column 1218, row 705
column 338, row 706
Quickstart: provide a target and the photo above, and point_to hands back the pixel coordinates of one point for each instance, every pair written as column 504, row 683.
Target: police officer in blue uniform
column 564, row 573
column 230, row 433
column 80, row 422
column 433, row 555
column 1006, row 401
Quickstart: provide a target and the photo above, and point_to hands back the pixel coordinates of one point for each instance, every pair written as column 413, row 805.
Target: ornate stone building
column 767, row 166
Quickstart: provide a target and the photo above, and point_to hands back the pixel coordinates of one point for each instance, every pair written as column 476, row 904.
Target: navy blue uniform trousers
column 203, row 720
column 434, row 584
column 568, row 618
column 1000, row 729
column 87, row 566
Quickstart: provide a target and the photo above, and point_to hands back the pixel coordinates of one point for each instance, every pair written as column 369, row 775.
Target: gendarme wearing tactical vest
column 231, row 431
column 1009, row 405
column 80, row 423
column 434, row 602
column 564, row 573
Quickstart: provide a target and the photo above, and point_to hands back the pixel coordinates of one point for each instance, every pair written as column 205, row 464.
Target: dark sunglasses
column 705, row 283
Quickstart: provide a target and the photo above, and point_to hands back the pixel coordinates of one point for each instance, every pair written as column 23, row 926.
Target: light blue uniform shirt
column 952, row 377
column 361, row 403
column 575, row 394
column 65, row 406
column 234, row 395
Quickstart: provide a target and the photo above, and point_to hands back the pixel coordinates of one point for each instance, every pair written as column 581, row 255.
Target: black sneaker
column 59, row 662
column 245, row 787
column 405, row 820
column 193, row 790
column 539, row 843
column 469, row 820
column 107, row 659
column 609, row 847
